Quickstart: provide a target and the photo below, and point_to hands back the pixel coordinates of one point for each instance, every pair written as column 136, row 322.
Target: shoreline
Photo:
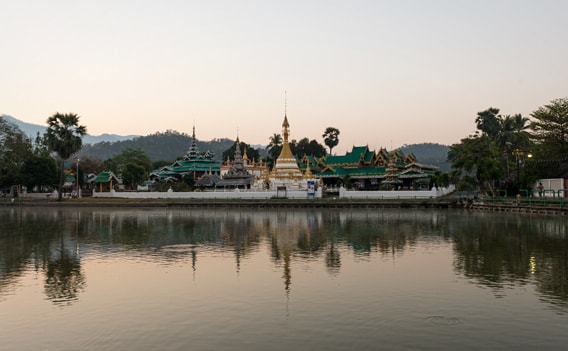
column 292, row 203
column 240, row 203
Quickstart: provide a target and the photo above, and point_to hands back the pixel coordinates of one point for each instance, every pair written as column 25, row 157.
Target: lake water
column 218, row 279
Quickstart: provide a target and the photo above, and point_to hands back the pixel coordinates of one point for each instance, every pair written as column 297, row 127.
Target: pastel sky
column 385, row 73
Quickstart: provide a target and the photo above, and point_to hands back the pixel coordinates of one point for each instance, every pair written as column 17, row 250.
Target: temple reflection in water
column 489, row 249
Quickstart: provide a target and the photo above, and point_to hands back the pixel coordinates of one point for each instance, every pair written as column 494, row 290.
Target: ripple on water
column 443, row 320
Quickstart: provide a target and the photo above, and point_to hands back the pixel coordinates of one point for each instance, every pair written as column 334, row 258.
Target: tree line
column 508, row 153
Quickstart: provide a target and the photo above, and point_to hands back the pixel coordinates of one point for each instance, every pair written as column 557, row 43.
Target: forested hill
column 166, row 146
column 429, row 154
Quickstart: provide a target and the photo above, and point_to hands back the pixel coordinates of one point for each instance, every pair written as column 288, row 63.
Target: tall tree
column 15, row 150
column 308, row 147
column 133, row 175
column 331, row 137
column 477, row 156
column 64, row 136
column 550, row 132
column 117, row 163
column 488, row 122
column 275, row 146
column 512, row 136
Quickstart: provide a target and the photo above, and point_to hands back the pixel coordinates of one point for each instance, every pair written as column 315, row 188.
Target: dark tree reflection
column 496, row 250
column 64, row 279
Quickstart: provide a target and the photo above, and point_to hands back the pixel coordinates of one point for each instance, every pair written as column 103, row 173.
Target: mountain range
column 31, row 130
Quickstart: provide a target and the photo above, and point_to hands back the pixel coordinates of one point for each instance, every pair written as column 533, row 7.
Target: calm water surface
column 179, row 279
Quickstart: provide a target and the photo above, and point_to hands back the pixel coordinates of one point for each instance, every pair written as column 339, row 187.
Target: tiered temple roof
column 369, row 168
column 193, row 162
column 237, row 176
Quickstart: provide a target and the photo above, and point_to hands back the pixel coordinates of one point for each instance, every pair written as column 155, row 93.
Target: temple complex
column 193, row 162
column 359, row 169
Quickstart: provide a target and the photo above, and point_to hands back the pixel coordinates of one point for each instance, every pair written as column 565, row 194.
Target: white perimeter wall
column 291, row 194
column 551, row 187
column 241, row 194
column 402, row 194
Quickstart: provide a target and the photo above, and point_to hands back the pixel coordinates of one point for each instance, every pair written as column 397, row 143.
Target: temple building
column 256, row 168
column 237, row 176
column 193, row 162
column 382, row 170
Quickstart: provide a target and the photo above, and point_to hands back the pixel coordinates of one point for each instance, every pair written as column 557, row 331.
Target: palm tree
column 512, row 135
column 331, row 137
column 275, row 146
column 64, row 136
column 488, row 122
column 521, row 125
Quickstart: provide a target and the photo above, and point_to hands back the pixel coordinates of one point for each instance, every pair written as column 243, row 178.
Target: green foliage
column 64, row 134
column 39, row 171
column 478, row 157
column 252, row 154
column 440, row 179
column 275, row 146
column 189, row 180
column 550, row 132
column 331, row 137
column 15, row 149
column 118, row 163
column 496, row 154
column 133, row 174
column 64, row 137
column 307, row 147
column 488, row 122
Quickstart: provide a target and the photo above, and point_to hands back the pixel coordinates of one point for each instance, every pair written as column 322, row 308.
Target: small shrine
column 237, row 176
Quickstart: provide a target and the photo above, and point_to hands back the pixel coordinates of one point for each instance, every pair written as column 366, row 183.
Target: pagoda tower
column 286, row 171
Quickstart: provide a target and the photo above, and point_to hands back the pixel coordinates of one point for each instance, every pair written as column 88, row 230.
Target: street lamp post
column 518, row 153
column 77, row 179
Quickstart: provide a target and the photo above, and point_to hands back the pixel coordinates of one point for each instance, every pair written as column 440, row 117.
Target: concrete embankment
column 292, row 203
column 514, row 208
column 270, row 203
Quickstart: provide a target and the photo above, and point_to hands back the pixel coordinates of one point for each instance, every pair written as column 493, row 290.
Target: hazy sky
column 385, row 73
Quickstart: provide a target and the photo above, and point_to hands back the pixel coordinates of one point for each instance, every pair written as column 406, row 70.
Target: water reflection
column 493, row 251
column 497, row 251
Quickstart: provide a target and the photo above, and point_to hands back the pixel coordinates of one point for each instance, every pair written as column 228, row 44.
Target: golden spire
column 286, row 151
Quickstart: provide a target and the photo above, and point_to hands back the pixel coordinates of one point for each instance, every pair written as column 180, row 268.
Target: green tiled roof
column 105, row 177
column 362, row 172
column 354, row 157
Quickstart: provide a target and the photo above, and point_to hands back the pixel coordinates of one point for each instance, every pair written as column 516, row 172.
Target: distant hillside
column 167, row 146
column 31, row 130
column 430, row 154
